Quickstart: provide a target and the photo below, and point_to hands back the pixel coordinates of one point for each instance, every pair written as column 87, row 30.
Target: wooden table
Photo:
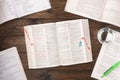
column 12, row 34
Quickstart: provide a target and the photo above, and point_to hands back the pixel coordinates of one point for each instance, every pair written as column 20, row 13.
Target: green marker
column 111, row 69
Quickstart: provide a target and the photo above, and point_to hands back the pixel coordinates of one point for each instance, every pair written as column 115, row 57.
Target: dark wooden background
column 12, row 34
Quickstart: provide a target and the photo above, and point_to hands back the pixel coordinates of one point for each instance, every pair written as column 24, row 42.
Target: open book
column 10, row 65
column 100, row 10
column 109, row 55
column 55, row 44
column 11, row 9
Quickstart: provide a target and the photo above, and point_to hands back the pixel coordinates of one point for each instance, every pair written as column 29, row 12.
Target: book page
column 111, row 12
column 11, row 9
column 88, row 8
column 86, row 39
column 69, row 34
column 29, row 46
column 45, row 45
column 109, row 55
column 10, row 65
column 26, row 7
column 7, row 10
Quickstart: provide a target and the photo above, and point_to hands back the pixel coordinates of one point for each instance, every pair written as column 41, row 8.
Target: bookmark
column 28, row 36
column 80, row 44
column 84, row 39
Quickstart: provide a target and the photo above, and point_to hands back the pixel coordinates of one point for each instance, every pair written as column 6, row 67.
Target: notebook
column 61, row 43
column 100, row 10
column 10, row 65
column 11, row 9
column 108, row 56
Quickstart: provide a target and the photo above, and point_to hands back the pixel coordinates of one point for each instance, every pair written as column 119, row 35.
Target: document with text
column 100, row 10
column 10, row 65
column 11, row 9
column 60, row 43
column 108, row 56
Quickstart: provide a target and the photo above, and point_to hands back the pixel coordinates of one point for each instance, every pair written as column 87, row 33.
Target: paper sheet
column 10, row 65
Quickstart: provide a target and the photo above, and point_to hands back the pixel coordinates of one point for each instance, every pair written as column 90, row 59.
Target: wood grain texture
column 11, row 34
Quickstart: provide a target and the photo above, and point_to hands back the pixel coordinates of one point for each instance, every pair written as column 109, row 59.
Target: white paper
column 26, row 7
column 69, row 36
column 56, row 44
column 100, row 10
column 88, row 8
column 7, row 10
column 111, row 13
column 11, row 9
column 10, row 65
column 44, row 44
column 109, row 55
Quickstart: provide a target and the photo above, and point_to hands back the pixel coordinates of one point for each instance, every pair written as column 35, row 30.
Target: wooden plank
column 16, row 27
column 12, row 34
column 18, row 41
column 55, row 12
column 61, row 73
column 37, row 74
column 58, row 0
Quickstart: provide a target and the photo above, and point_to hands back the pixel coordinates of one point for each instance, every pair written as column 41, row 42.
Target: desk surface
column 12, row 34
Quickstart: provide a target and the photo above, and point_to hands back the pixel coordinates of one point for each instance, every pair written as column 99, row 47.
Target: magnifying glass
column 101, row 32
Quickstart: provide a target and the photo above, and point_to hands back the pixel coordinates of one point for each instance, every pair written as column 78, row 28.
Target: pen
column 111, row 69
